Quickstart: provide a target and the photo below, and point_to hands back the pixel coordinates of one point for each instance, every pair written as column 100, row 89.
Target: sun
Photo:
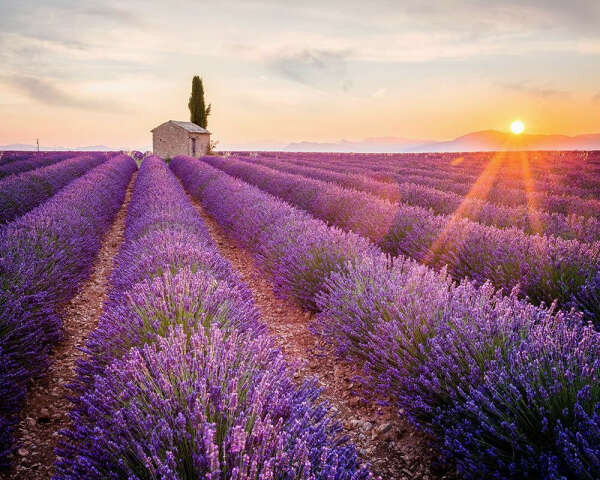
column 517, row 127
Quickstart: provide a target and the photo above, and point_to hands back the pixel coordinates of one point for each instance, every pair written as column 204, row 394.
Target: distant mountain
column 379, row 144
column 485, row 140
column 494, row 140
column 33, row 148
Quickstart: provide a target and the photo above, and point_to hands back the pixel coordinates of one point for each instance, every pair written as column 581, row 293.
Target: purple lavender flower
column 44, row 257
column 522, row 216
column 31, row 161
column 537, row 413
column 297, row 250
column 192, row 299
column 545, row 268
column 587, row 300
column 509, row 388
column 204, row 405
column 21, row 193
column 181, row 380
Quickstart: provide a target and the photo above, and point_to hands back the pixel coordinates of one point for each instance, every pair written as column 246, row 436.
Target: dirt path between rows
column 395, row 450
column 47, row 406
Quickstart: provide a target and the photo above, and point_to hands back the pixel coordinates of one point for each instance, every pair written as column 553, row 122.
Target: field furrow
column 388, row 441
column 45, row 256
column 180, row 377
column 483, row 372
column 47, row 405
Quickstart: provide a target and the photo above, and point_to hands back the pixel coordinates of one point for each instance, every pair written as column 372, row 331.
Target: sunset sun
column 517, row 127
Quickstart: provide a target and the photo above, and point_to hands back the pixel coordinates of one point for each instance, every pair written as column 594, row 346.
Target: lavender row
column 524, row 217
column 181, row 380
column 492, row 179
column 35, row 161
column 558, row 168
column 516, row 172
column 485, row 189
column 511, row 172
column 20, row 193
column 509, row 389
column 9, row 156
column 44, row 257
column 546, row 268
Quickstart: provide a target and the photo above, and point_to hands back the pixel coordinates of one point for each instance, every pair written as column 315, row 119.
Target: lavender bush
column 297, row 250
column 587, row 300
column 181, row 380
column 557, row 182
column 546, row 268
column 44, row 257
column 32, row 161
column 241, row 417
column 21, row 193
column 143, row 313
column 537, row 414
column 9, row 156
column 523, row 217
column 12, row 395
column 486, row 373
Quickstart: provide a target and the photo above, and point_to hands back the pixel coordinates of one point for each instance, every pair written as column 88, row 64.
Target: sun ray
column 529, row 185
column 479, row 190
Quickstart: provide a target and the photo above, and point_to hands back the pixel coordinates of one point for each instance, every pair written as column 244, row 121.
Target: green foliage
column 199, row 112
column 212, row 145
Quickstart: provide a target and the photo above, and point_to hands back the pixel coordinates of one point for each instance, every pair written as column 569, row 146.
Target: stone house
column 174, row 138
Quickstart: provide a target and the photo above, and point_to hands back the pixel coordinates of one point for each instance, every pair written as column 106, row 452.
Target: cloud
column 319, row 68
column 481, row 16
column 114, row 14
column 47, row 93
column 379, row 92
column 596, row 98
column 534, row 90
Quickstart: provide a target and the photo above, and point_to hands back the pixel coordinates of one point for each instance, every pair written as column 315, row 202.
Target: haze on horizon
column 79, row 73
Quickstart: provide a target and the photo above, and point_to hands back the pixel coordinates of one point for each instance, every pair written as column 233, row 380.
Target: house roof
column 188, row 126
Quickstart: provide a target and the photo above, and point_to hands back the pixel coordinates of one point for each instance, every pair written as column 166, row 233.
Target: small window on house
column 193, row 147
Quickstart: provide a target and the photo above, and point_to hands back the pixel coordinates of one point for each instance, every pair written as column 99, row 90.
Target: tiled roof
column 188, row 126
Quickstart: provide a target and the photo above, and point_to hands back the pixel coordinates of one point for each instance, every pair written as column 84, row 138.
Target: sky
column 79, row 72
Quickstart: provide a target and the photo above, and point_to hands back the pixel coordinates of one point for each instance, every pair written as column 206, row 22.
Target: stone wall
column 169, row 140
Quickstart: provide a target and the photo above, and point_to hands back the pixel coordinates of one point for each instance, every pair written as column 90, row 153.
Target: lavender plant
column 44, row 256
column 537, row 413
column 20, row 193
column 181, row 380
column 587, row 300
column 32, row 161
column 204, row 405
column 486, row 373
column 522, row 216
column 546, row 268
column 296, row 250
column 526, row 179
column 144, row 312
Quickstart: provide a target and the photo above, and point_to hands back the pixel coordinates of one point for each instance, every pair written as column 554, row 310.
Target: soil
column 384, row 438
column 47, row 405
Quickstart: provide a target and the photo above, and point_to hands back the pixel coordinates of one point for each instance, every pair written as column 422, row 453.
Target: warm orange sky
column 77, row 74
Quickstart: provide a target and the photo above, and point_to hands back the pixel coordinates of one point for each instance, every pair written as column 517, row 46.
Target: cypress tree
column 199, row 112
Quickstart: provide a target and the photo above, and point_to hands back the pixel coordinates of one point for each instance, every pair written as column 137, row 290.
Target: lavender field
column 276, row 315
